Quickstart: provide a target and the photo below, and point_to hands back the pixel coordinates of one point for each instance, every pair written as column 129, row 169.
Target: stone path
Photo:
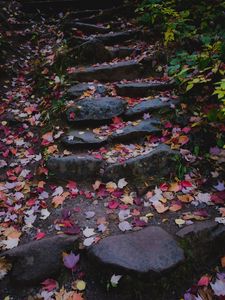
column 122, row 101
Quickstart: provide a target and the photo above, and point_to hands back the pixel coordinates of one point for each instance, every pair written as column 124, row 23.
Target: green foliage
column 193, row 32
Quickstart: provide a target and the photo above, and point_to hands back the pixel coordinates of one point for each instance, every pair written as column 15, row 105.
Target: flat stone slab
column 117, row 37
column 78, row 89
column 151, row 250
column 136, row 131
column 141, row 89
column 95, row 109
column 92, row 52
column 158, row 163
column 75, row 166
column 150, row 105
column 38, row 260
column 123, row 52
column 111, row 72
column 198, row 228
column 86, row 138
column 90, row 28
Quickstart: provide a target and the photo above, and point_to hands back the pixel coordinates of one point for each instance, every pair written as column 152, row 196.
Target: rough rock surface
column 141, row 89
column 90, row 28
column 39, row 260
column 75, row 166
column 151, row 250
column 92, row 52
column 159, row 162
column 136, row 131
column 197, row 228
column 108, row 73
column 149, row 106
column 78, row 138
column 117, row 37
column 95, row 109
column 78, row 89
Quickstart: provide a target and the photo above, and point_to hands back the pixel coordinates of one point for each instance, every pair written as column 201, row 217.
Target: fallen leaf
column 122, row 183
column 5, row 267
column 49, row 284
column 70, row 260
column 125, row 226
column 79, row 285
column 88, row 232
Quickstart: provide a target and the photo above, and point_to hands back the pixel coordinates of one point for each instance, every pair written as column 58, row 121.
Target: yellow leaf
column 127, row 199
column 111, row 186
column 79, row 285
column 160, row 208
column 179, row 222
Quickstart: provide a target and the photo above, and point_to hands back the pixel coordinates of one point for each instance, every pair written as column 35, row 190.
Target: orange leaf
column 160, row 208
column 223, row 262
column 185, row 198
column 174, row 187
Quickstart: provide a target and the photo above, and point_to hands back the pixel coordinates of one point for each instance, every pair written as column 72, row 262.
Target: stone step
column 123, row 52
column 118, row 37
column 129, row 70
column 131, row 132
column 150, row 250
column 60, row 5
column 95, row 110
column 90, row 28
column 143, row 168
column 77, row 15
column 93, row 52
column 142, row 89
column 150, row 105
column 77, row 90
column 45, row 256
column 152, row 258
column 110, row 14
column 147, row 168
column 78, row 167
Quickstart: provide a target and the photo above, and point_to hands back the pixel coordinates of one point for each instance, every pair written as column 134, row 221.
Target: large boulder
column 39, row 260
column 151, row 250
column 95, row 109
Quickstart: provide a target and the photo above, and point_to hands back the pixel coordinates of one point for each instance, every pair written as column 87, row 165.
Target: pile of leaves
column 194, row 37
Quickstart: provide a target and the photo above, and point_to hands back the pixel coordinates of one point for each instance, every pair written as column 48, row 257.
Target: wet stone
column 141, row 89
column 78, row 89
column 136, row 131
column 78, row 138
column 151, row 250
column 95, row 109
column 76, row 166
column 158, row 163
column 110, row 72
column 150, row 106
column 38, row 260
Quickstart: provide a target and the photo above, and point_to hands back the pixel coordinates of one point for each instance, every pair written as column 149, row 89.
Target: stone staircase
column 122, row 71
column 118, row 103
